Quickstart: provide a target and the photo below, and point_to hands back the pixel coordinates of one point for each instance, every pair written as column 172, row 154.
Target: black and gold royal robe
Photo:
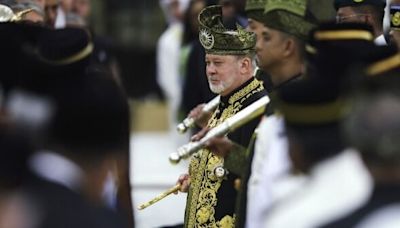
column 211, row 199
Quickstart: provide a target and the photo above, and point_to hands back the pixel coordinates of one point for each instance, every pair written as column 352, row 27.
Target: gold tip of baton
column 159, row 197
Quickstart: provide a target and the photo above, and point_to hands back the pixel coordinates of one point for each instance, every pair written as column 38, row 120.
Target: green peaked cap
column 297, row 7
column 216, row 39
column 255, row 9
column 289, row 16
column 255, row 5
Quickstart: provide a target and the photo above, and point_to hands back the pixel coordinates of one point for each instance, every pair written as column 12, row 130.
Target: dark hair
column 318, row 143
column 300, row 44
column 376, row 12
column 373, row 126
column 92, row 116
column 188, row 34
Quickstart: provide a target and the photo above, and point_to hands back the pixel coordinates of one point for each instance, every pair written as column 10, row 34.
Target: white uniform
column 270, row 163
column 335, row 187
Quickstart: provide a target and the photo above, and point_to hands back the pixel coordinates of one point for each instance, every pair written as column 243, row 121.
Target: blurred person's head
column 86, row 132
column 312, row 109
column 50, row 9
column 230, row 58
column 191, row 24
column 369, row 12
column 174, row 10
column 82, row 8
column 310, row 145
column 74, row 20
column 373, row 128
column 228, row 8
column 67, row 5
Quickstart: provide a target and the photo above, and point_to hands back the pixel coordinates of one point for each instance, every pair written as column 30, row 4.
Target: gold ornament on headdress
column 206, row 38
column 243, row 35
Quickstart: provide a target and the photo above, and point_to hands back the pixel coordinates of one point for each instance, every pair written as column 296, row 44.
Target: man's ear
column 289, row 47
column 245, row 65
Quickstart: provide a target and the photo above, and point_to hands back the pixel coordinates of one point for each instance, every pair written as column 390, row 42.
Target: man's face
column 34, row 17
column 194, row 13
column 270, row 48
column 228, row 9
column 347, row 14
column 223, row 73
column 82, row 8
column 51, row 12
column 256, row 27
column 67, row 5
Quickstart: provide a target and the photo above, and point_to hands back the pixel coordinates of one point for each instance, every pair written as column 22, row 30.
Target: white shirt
column 56, row 168
column 61, row 19
column 168, row 75
column 388, row 217
column 270, row 163
column 335, row 188
column 380, row 40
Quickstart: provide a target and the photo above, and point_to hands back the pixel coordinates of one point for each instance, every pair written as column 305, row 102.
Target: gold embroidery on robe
column 202, row 198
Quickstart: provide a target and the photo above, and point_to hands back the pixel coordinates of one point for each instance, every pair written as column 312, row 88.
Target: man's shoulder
column 60, row 206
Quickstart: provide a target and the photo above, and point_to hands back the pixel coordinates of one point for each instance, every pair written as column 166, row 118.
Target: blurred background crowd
column 141, row 64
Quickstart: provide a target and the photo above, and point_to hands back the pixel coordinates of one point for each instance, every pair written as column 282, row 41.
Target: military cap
column 342, row 35
column 255, row 9
column 33, row 55
column 338, row 47
column 61, row 54
column 65, row 46
column 216, row 39
column 289, row 16
column 383, row 59
column 310, row 102
column 343, row 3
column 324, row 10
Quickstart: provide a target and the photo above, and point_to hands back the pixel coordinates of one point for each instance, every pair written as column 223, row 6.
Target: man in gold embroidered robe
column 230, row 65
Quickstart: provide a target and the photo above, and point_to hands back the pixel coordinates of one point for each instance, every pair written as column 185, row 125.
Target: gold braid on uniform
column 202, row 199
